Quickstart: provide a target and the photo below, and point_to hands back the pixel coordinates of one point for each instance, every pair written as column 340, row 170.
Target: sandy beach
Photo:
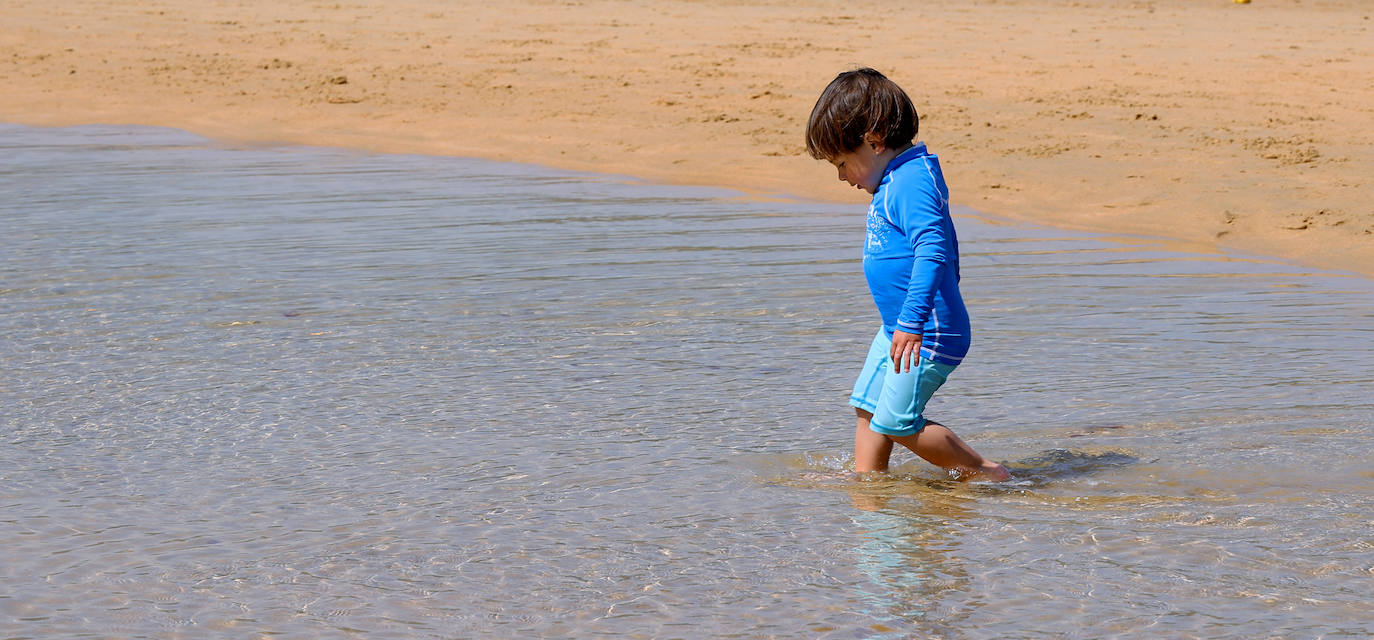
column 1220, row 125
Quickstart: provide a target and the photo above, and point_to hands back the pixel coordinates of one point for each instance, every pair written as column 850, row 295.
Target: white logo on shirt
column 879, row 232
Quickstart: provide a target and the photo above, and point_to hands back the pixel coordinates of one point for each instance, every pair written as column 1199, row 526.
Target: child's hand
column 906, row 350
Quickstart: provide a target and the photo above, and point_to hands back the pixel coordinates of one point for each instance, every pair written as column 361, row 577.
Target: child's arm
column 922, row 217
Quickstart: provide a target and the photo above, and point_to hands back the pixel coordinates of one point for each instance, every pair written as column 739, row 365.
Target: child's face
column 863, row 168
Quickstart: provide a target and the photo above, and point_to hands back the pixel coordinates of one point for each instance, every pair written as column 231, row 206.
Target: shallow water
column 316, row 393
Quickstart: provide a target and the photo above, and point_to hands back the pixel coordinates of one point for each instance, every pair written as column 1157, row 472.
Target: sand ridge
column 1213, row 123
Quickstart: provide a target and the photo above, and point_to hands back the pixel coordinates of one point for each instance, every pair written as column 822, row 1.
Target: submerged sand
column 1239, row 126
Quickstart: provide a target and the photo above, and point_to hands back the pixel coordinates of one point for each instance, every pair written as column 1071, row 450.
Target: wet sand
column 1242, row 127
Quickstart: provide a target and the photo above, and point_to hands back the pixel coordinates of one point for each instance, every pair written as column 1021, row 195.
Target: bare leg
column 871, row 449
column 940, row 447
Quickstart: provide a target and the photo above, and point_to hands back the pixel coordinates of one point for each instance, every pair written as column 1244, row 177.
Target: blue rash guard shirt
column 911, row 257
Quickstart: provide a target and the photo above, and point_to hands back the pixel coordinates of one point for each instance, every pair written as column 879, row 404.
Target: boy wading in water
column 864, row 124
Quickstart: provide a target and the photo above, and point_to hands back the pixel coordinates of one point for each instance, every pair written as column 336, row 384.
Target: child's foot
column 989, row 471
column 993, row 472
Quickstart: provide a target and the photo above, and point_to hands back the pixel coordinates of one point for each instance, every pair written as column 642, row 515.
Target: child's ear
column 874, row 141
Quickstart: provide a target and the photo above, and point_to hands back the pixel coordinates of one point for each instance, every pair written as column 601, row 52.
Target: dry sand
column 1244, row 126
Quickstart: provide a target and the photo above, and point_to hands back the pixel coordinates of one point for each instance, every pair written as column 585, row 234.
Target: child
column 864, row 124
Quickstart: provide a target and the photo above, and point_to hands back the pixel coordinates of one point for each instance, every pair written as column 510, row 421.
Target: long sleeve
column 921, row 219
column 930, row 245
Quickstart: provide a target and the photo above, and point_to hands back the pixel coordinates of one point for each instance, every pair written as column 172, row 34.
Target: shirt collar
column 917, row 150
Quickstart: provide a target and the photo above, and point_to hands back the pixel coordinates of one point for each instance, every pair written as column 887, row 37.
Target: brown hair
column 856, row 103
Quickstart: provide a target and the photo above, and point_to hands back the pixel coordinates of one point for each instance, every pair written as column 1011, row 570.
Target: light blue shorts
column 896, row 400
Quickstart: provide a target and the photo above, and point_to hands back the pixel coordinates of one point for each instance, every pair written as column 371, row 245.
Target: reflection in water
column 907, row 549
column 905, row 540
column 312, row 393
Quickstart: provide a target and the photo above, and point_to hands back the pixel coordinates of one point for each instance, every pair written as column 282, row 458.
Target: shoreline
column 1225, row 127
column 959, row 210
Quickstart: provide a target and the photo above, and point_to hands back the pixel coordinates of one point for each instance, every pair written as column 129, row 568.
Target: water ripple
column 308, row 392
